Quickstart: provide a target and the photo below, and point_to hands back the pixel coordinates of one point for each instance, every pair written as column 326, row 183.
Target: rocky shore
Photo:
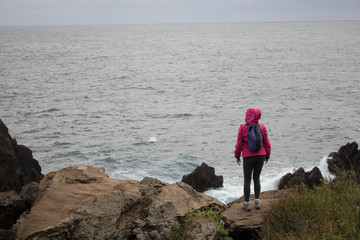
column 82, row 202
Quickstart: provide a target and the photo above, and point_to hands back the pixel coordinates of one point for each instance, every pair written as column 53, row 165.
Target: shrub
column 329, row 211
column 209, row 213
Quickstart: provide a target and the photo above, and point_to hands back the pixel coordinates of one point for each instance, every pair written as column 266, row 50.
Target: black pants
column 252, row 166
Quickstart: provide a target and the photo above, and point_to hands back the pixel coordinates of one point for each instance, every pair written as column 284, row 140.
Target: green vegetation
column 209, row 213
column 330, row 211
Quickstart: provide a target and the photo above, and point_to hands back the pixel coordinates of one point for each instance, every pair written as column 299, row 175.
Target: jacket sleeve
column 239, row 143
column 266, row 141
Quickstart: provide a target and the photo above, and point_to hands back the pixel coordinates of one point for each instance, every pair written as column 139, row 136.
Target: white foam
column 271, row 181
column 152, row 139
column 228, row 193
column 324, row 168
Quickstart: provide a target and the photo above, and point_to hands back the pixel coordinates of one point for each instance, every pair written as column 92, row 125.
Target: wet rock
column 299, row 177
column 203, row 178
column 291, row 179
column 314, row 177
column 17, row 165
column 19, row 173
column 346, row 158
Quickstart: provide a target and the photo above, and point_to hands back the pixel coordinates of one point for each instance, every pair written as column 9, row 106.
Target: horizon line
column 174, row 23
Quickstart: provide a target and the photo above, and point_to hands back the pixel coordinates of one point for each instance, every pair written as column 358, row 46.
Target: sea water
column 158, row 100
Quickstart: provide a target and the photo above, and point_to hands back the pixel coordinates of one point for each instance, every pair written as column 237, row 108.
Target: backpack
column 255, row 138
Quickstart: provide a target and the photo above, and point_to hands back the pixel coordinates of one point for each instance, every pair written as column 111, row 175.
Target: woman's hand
column 238, row 161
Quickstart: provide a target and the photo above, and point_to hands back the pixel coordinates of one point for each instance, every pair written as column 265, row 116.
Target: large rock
column 7, row 234
column 81, row 202
column 347, row 158
column 17, row 165
column 19, row 173
column 11, row 207
column 201, row 228
column 203, row 178
column 310, row 179
column 245, row 225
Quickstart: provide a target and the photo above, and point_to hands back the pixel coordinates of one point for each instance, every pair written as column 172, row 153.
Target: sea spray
column 233, row 188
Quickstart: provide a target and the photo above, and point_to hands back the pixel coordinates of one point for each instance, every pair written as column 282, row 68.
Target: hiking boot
column 246, row 207
column 257, row 204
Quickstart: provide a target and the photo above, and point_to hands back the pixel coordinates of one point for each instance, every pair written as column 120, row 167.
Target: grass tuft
column 215, row 216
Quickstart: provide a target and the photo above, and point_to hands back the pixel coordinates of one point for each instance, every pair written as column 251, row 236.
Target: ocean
column 158, row 100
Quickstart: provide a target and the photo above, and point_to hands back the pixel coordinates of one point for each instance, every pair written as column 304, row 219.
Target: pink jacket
column 253, row 116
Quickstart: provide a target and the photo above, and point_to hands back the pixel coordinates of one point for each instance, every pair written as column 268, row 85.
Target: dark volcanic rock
column 17, row 165
column 19, row 173
column 7, row 234
column 203, row 178
column 310, row 179
column 314, row 177
column 347, row 158
column 291, row 179
column 11, row 207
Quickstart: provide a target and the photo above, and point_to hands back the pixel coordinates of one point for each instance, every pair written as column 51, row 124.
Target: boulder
column 346, row 158
column 11, row 207
column 29, row 192
column 203, row 178
column 17, row 165
column 291, row 179
column 245, row 225
column 19, row 173
column 299, row 177
column 201, row 228
column 7, row 234
column 314, row 177
column 81, row 202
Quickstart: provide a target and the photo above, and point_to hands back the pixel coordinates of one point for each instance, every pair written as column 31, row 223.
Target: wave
column 50, row 110
column 73, row 154
column 271, row 183
column 177, row 115
column 150, row 140
column 233, row 188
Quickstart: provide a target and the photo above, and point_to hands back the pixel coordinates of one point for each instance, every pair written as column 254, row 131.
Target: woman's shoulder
column 242, row 127
column 262, row 126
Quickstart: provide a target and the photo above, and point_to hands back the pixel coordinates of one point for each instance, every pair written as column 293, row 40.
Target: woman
column 253, row 161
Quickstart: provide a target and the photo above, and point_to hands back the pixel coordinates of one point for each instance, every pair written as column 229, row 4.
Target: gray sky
column 89, row 12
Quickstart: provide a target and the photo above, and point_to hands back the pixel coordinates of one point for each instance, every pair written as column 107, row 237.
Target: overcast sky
column 90, row 12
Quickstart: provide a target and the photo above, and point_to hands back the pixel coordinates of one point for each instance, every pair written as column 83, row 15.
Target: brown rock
column 244, row 225
column 81, row 202
column 201, row 229
column 29, row 192
column 203, row 178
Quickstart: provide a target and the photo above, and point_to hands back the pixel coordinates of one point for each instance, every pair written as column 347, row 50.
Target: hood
column 253, row 115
